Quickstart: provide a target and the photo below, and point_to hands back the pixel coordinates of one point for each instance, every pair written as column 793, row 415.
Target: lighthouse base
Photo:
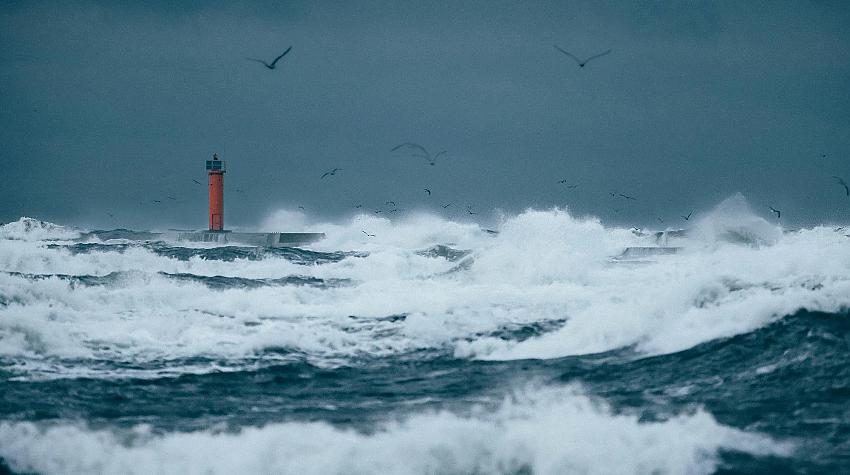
column 251, row 239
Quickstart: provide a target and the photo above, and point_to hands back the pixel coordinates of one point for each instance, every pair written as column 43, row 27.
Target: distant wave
column 29, row 229
column 223, row 253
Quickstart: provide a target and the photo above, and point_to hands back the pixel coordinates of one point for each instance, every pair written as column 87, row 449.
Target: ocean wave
column 29, row 229
column 543, row 287
column 219, row 282
column 219, row 253
column 536, row 430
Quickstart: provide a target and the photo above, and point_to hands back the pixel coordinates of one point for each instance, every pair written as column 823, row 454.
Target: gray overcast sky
column 106, row 106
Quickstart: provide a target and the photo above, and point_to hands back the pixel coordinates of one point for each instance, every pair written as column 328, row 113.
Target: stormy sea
column 429, row 345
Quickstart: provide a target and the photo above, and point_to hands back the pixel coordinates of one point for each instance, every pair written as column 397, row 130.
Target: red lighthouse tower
column 217, row 233
column 215, row 171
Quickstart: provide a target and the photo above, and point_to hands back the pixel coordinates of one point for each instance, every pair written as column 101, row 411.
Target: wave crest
column 29, row 229
column 544, row 431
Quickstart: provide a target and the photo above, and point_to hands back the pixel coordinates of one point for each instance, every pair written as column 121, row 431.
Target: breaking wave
column 460, row 290
column 536, row 430
column 29, row 229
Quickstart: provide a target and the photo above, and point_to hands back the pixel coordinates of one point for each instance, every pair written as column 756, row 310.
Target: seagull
column 302, row 208
column 844, row 184
column 660, row 219
column 417, row 150
column 358, row 206
column 564, row 182
column 196, row 181
column 390, row 203
column 446, row 205
column 427, row 191
column 370, row 235
column 469, row 210
column 157, row 201
column 686, row 218
column 272, row 65
column 613, row 194
column 774, row 210
column 579, row 61
column 172, row 198
column 331, row 173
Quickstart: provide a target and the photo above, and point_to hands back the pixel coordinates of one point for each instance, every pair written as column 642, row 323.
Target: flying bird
column 469, row 210
column 621, row 195
column 302, row 208
column 370, row 235
column 774, row 210
column 196, row 181
column 358, row 206
column 660, row 219
column 427, row 191
column 331, row 173
column 273, row 63
column 581, row 62
column 844, row 184
column 686, row 218
column 388, row 203
column 446, row 205
column 417, row 150
column 172, row 198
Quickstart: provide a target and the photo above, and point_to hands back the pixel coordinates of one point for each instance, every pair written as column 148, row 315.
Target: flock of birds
column 418, row 151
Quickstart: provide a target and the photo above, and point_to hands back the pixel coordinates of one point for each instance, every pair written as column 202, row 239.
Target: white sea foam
column 737, row 273
column 542, row 431
column 29, row 229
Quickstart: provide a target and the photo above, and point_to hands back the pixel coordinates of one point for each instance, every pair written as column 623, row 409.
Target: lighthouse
column 215, row 171
column 216, row 232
